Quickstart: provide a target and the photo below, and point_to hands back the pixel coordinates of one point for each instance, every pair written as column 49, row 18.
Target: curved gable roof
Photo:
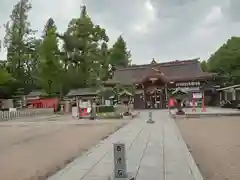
column 174, row 70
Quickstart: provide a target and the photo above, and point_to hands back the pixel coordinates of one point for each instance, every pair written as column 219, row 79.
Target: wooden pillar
column 78, row 106
column 233, row 94
column 225, row 95
column 144, row 95
column 166, row 95
column 220, row 97
column 155, row 103
column 203, row 102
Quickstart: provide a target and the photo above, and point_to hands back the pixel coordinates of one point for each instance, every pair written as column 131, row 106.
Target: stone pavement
column 213, row 110
column 154, row 152
column 210, row 112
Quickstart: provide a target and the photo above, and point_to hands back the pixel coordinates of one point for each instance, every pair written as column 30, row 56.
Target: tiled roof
column 36, row 93
column 169, row 71
column 82, row 92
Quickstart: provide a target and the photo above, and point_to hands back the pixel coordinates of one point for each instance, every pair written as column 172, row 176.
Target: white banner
column 197, row 95
column 74, row 112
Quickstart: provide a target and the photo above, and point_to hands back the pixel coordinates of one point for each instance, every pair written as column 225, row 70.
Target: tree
column 104, row 62
column 50, row 68
column 84, row 60
column 16, row 31
column 204, row 66
column 119, row 55
column 32, row 62
column 82, row 44
column 18, row 42
column 5, row 77
column 226, row 61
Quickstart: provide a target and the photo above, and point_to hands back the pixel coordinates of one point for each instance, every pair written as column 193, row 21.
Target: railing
column 8, row 115
column 229, row 103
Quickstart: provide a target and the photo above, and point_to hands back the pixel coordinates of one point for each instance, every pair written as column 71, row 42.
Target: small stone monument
column 120, row 167
column 150, row 118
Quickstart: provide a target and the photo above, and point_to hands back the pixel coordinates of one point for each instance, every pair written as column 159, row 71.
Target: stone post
column 120, row 167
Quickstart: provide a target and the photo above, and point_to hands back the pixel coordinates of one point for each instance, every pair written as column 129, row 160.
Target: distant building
column 154, row 82
column 40, row 99
column 82, row 93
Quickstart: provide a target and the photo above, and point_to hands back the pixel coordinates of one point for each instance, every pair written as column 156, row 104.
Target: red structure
column 83, row 112
column 44, row 103
column 171, row 102
column 193, row 105
column 203, row 104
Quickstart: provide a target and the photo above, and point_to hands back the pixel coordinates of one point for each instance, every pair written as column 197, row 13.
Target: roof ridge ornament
column 153, row 61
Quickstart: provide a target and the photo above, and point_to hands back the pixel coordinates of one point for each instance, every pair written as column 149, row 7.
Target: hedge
column 104, row 109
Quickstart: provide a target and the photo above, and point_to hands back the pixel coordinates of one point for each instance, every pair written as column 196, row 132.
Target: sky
column 162, row 29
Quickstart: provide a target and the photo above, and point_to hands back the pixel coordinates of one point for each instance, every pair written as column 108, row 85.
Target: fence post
column 150, row 120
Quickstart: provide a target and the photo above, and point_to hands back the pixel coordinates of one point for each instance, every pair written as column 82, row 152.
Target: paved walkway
column 154, row 152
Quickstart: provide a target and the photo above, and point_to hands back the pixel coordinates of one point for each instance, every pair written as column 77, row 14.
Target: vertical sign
column 119, row 161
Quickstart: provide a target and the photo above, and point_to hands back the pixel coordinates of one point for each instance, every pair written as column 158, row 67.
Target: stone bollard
column 150, row 118
column 120, row 167
column 1, row 116
column 6, row 115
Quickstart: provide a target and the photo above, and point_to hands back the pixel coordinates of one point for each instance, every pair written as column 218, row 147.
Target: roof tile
column 174, row 70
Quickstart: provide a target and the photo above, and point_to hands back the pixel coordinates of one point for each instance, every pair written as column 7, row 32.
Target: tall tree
column 82, row 43
column 226, row 61
column 104, row 63
column 50, row 70
column 17, row 38
column 119, row 55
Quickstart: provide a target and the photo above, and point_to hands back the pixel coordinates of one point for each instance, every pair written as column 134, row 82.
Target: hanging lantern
column 153, row 79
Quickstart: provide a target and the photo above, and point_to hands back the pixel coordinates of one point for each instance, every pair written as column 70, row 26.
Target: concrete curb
column 192, row 165
column 203, row 115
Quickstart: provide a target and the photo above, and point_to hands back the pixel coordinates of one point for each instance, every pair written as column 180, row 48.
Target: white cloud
column 214, row 16
column 165, row 29
column 144, row 25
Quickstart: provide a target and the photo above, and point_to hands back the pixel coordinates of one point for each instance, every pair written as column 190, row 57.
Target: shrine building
column 155, row 82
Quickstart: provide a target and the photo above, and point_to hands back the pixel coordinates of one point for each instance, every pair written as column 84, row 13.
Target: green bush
column 104, row 109
column 109, row 115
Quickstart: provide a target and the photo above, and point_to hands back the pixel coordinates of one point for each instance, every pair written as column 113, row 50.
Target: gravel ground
column 34, row 150
column 215, row 145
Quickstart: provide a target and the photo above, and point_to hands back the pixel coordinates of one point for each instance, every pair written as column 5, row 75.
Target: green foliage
column 21, row 47
column 109, row 115
column 226, row 58
column 85, row 46
column 55, row 62
column 204, row 66
column 50, row 69
column 226, row 62
column 119, row 55
column 17, row 38
column 5, row 77
column 104, row 109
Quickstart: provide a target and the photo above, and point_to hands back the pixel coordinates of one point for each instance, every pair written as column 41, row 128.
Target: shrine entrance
column 153, row 94
column 154, row 98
